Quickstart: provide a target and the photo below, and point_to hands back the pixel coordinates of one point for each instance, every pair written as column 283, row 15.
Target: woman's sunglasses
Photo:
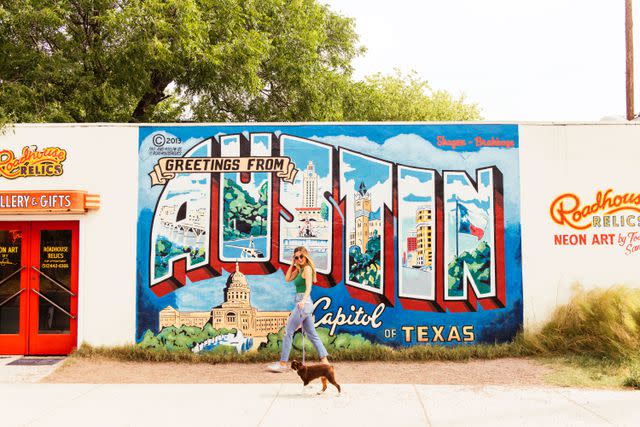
column 299, row 257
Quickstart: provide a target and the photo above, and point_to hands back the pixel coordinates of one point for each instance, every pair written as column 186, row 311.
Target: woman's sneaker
column 276, row 367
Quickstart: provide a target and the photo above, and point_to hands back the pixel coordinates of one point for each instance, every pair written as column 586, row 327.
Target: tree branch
column 151, row 98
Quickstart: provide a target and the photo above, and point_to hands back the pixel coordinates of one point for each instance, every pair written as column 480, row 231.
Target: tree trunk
column 150, row 99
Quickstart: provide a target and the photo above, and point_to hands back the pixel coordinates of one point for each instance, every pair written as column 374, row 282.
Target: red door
column 41, row 316
column 14, row 287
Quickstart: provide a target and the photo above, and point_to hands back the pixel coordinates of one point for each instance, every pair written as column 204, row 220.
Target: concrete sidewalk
column 25, row 373
column 397, row 405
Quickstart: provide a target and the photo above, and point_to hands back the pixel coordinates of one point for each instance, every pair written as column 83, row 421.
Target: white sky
column 518, row 59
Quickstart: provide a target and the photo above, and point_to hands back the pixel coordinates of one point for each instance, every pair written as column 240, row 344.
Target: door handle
column 55, row 282
column 11, row 297
column 54, row 304
column 11, row 275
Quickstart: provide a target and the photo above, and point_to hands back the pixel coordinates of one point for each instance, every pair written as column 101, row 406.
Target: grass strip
column 374, row 352
column 592, row 340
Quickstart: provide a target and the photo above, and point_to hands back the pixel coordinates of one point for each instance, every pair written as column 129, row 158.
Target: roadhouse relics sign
column 609, row 218
column 32, row 162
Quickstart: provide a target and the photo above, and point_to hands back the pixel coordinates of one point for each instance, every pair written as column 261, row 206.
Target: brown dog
column 309, row 373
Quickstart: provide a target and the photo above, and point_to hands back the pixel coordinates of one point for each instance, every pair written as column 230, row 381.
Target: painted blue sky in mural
column 268, row 293
column 301, row 153
column 418, row 199
column 360, row 169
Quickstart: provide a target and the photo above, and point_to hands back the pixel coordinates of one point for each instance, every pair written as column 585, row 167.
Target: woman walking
column 303, row 273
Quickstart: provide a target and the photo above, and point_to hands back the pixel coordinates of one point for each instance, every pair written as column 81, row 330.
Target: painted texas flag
column 466, row 226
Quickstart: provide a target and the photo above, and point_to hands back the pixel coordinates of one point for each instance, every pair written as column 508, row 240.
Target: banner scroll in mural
column 168, row 167
column 414, row 231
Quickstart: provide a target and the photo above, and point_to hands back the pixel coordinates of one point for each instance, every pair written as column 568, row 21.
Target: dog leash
column 302, row 332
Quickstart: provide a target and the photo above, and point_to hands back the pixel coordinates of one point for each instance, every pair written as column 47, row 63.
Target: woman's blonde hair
column 305, row 252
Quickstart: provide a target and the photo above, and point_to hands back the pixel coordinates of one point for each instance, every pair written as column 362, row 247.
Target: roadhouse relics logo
column 165, row 145
column 606, row 211
column 612, row 219
column 32, row 162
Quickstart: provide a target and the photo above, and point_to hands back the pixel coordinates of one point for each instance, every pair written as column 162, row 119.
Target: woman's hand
column 289, row 276
column 301, row 304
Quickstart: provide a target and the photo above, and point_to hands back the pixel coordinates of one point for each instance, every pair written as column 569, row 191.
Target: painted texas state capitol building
column 235, row 312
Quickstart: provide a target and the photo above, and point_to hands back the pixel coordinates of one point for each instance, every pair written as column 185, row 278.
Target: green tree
column 348, row 341
column 478, row 262
column 261, row 210
column 142, row 60
column 336, row 342
column 214, row 60
column 404, row 98
column 324, row 211
column 149, row 340
column 210, row 331
column 274, row 341
column 373, row 246
column 235, row 202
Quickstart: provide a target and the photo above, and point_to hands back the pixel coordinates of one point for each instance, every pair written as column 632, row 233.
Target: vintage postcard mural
column 414, row 231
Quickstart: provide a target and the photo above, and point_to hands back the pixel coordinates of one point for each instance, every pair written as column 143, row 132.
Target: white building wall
column 101, row 159
column 579, row 159
column 554, row 159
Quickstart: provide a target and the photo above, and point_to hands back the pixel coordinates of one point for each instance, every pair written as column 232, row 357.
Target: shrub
column 601, row 323
column 633, row 380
